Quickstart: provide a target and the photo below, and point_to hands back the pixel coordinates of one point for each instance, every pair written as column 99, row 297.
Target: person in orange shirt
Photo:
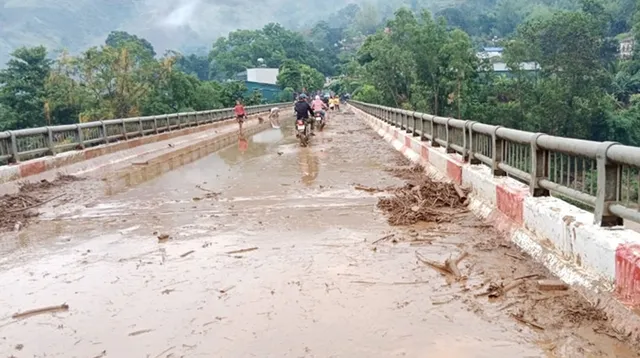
column 241, row 115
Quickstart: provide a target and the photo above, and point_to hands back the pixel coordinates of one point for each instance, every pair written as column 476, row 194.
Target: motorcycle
column 319, row 120
column 304, row 131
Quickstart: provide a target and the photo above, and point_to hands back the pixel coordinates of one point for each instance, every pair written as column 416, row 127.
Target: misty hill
column 189, row 25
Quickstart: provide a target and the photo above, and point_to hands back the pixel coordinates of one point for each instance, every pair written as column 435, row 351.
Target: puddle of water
column 143, row 172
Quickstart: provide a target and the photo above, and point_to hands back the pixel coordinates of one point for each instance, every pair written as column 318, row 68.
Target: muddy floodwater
column 268, row 250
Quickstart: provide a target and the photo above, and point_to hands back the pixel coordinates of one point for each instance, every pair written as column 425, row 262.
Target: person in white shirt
column 274, row 115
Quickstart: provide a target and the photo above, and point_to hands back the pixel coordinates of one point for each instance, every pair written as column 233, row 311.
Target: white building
column 626, row 47
column 260, row 75
column 490, row 52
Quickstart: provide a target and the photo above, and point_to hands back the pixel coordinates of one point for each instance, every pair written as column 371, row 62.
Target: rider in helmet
column 319, row 105
column 303, row 110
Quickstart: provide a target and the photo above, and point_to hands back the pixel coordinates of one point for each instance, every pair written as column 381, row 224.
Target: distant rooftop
column 526, row 66
column 493, row 49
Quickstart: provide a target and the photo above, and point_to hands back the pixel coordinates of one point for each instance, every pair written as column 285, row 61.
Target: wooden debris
column 368, row 189
column 51, row 309
column 494, row 290
column 34, row 206
column 137, row 333
column 397, row 283
column 450, row 265
column 187, row 253
column 225, row 290
column 422, row 199
column 459, row 191
column 521, row 319
column 514, row 256
column 552, row 285
column 527, row 276
column 241, row 251
column 383, row 239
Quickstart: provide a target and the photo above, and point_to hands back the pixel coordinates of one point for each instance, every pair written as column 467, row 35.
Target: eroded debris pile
column 18, row 208
column 422, row 199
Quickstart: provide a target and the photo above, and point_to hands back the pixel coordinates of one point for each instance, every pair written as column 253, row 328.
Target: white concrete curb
column 560, row 236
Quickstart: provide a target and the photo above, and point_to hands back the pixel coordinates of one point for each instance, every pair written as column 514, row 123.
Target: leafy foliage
column 580, row 90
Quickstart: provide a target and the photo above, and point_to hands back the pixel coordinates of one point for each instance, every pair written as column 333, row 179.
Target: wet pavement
column 310, row 283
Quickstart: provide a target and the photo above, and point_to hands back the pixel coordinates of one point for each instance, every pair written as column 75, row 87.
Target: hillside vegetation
column 409, row 57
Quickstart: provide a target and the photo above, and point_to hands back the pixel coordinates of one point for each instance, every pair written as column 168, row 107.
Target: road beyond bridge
column 273, row 251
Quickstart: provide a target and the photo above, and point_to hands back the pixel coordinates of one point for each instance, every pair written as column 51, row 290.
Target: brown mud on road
column 268, row 252
column 18, row 209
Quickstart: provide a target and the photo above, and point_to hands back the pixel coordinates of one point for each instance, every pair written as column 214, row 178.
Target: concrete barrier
column 116, row 151
column 602, row 263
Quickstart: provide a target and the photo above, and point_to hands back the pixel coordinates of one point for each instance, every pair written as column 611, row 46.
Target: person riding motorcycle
column 319, row 105
column 303, row 110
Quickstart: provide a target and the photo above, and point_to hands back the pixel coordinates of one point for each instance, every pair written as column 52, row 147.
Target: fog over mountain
column 186, row 25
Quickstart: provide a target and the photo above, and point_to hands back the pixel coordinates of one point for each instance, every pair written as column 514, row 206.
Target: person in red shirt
column 241, row 115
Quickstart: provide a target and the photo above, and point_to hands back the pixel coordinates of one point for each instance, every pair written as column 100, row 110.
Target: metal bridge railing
column 604, row 176
column 30, row 143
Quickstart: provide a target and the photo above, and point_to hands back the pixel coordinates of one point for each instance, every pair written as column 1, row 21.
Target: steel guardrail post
column 80, row 135
column 465, row 140
column 50, row 145
column 124, row 129
column 105, row 135
column 539, row 167
column 497, row 151
column 608, row 188
column 472, row 157
column 434, row 133
column 414, row 130
column 14, row 148
column 447, row 130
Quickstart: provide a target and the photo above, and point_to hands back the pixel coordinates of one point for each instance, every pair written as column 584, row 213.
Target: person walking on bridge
column 241, row 115
column 274, row 115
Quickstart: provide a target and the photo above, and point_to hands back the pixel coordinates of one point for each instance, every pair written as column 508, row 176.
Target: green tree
column 295, row 75
column 22, row 88
column 118, row 39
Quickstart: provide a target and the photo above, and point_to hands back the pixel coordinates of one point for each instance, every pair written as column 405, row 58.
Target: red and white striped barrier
column 553, row 232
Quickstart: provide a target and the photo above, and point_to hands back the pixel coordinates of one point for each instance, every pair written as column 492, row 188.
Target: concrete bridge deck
column 314, row 284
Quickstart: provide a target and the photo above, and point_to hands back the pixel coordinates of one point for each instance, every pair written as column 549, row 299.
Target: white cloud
column 181, row 15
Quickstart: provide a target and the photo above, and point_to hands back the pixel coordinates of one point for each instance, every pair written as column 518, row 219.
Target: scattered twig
column 164, row 351
column 102, row 354
column 51, row 309
column 143, row 331
column 440, row 267
column 391, row 283
column 187, row 253
column 528, row 323
column 241, row 251
column 35, row 205
column 204, row 189
column 514, row 256
column 368, row 189
column 508, row 305
column 538, row 299
column 450, row 265
column 495, row 291
column 225, row 290
column 527, row 276
column 384, row 238
column 437, row 303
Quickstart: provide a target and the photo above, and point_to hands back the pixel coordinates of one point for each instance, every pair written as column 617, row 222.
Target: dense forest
column 393, row 53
